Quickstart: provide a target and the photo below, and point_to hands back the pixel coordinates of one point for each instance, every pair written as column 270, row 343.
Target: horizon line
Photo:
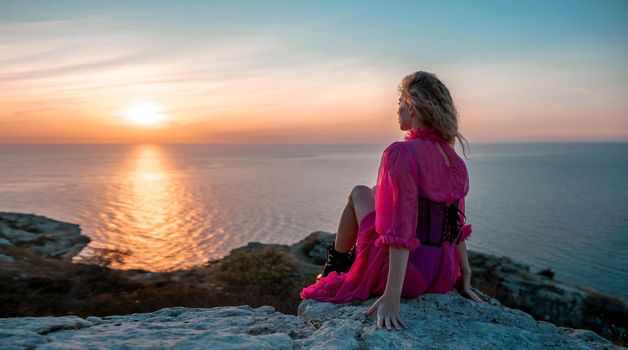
column 307, row 144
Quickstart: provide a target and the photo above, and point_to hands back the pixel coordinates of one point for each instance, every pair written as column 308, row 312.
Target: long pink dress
column 409, row 170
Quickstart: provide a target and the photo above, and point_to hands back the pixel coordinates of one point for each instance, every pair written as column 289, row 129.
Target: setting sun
column 144, row 113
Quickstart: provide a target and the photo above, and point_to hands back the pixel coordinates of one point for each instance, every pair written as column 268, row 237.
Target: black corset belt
column 438, row 223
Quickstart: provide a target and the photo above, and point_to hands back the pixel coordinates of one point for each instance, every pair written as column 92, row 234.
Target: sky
column 308, row 71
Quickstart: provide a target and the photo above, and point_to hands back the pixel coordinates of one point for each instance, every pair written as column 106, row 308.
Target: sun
column 145, row 113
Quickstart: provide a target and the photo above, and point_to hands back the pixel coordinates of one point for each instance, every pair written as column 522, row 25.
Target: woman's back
column 441, row 173
column 417, row 174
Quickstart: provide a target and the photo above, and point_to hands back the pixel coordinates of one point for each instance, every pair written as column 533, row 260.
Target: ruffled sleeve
column 396, row 198
column 465, row 230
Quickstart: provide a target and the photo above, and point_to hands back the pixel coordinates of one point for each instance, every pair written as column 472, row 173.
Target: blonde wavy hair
column 424, row 93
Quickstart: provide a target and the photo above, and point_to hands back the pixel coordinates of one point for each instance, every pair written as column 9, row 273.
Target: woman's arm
column 464, row 260
column 398, row 262
column 388, row 305
column 465, row 268
column 396, row 202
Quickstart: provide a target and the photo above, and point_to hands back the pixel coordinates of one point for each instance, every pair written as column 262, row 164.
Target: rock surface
column 545, row 298
column 448, row 321
column 51, row 238
column 443, row 321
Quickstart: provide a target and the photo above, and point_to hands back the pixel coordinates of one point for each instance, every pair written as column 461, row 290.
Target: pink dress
column 409, row 170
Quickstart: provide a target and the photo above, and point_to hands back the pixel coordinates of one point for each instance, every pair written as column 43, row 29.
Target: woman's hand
column 388, row 304
column 466, row 287
column 387, row 307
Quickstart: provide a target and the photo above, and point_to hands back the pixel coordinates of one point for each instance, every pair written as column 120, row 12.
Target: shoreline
column 39, row 279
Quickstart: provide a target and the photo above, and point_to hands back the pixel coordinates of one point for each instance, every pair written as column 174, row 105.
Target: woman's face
column 405, row 117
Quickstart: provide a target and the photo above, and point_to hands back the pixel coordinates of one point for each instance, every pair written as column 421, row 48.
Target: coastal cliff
column 37, row 278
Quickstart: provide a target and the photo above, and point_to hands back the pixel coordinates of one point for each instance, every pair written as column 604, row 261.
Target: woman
column 409, row 231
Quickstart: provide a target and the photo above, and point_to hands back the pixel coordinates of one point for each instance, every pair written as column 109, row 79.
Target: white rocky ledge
column 443, row 321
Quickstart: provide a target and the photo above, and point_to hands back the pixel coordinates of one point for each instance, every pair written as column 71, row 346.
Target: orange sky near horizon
column 341, row 103
column 74, row 81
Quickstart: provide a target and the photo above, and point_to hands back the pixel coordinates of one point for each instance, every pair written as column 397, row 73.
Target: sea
column 162, row 207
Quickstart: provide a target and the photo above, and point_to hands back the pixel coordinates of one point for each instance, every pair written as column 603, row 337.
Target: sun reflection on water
column 154, row 222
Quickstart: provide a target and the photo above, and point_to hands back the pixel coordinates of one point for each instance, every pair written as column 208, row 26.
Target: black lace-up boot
column 336, row 261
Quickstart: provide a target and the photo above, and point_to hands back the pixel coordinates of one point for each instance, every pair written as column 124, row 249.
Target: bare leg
column 361, row 202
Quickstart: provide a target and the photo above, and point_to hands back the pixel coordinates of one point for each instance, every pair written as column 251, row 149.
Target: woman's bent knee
column 359, row 189
column 363, row 201
column 361, row 194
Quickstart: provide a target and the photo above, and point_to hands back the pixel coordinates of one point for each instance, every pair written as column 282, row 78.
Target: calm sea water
column 562, row 206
